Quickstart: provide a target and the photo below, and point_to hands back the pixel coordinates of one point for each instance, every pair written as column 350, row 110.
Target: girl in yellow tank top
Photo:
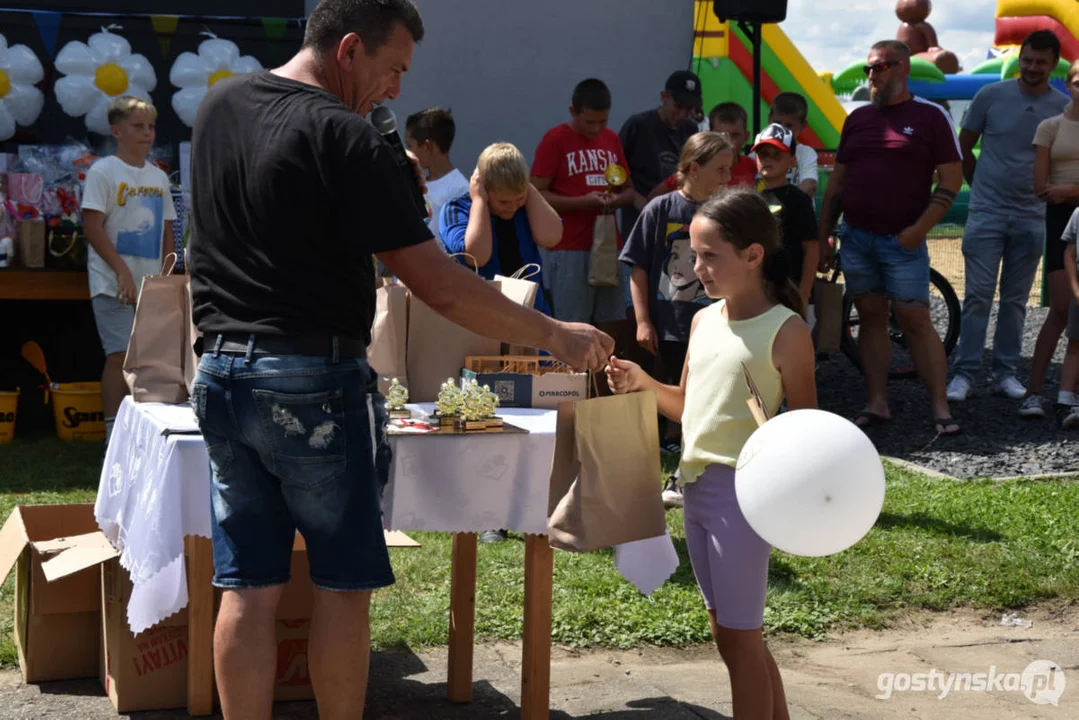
column 758, row 323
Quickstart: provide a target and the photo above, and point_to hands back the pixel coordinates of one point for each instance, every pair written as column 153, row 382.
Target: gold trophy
column 449, row 404
column 494, row 424
column 396, row 397
column 616, row 177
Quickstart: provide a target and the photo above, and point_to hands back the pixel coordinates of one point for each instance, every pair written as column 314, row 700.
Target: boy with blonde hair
column 127, row 214
column 503, row 219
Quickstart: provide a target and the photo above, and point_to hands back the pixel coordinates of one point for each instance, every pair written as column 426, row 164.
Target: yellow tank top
column 716, row 421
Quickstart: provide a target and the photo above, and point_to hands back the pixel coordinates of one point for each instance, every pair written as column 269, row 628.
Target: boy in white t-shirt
column 791, row 110
column 127, row 214
column 429, row 135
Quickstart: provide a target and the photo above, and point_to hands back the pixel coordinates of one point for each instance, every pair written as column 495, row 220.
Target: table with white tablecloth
column 155, row 491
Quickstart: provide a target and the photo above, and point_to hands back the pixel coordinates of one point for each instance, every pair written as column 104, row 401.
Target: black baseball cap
column 685, row 88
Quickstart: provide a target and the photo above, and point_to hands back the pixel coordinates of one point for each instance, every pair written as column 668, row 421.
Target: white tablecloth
column 487, row 481
column 155, row 489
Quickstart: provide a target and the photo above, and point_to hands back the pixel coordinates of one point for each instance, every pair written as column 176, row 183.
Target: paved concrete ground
column 835, row 678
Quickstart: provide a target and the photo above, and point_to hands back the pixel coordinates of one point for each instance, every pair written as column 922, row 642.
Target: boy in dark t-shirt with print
column 775, row 151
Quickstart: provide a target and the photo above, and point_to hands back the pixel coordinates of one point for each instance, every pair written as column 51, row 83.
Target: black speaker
column 761, row 11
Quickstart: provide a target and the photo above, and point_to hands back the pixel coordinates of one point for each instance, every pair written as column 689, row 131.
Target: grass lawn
column 938, row 545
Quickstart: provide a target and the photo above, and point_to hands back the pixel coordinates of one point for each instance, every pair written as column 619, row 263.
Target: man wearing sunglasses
column 1006, row 225
column 882, row 184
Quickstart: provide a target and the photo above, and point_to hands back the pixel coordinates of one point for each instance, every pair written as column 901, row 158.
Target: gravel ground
column 995, row 441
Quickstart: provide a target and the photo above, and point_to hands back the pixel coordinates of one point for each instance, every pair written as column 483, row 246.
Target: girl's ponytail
column 780, row 286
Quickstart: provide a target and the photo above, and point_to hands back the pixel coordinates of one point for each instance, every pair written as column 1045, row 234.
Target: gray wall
column 507, row 68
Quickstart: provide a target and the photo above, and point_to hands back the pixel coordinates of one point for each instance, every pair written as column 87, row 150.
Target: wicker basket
column 524, row 364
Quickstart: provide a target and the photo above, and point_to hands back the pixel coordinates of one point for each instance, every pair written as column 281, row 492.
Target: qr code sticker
column 504, row 390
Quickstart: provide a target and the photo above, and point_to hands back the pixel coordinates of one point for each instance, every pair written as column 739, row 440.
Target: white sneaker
column 959, row 388
column 672, row 498
column 1010, row 387
column 1032, row 408
column 1071, row 420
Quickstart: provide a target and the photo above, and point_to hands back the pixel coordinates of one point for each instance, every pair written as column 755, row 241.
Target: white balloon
column 810, row 482
column 21, row 65
column 75, row 58
column 97, row 120
column 186, row 103
column 7, row 124
column 139, row 71
column 109, row 47
column 77, row 94
column 188, row 71
column 246, row 64
column 218, row 53
column 24, row 102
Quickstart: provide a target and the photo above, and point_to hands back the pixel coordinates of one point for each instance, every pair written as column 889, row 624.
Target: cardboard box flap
column 13, row 540
column 73, row 554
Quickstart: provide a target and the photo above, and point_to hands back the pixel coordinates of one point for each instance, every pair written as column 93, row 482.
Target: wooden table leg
column 536, row 653
column 200, row 626
column 462, row 617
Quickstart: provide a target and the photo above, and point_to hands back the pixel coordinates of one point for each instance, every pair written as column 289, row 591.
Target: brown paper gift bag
column 520, row 288
column 828, row 306
column 31, row 243
column 603, row 268
column 389, row 335
column 437, row 348
column 605, row 476
column 160, row 363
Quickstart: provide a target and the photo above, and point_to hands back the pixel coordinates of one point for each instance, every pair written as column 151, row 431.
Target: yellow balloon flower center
column 5, row 84
column 111, row 79
column 219, row 75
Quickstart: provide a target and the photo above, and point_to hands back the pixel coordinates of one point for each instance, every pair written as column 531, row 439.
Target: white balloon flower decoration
column 20, row 101
column 99, row 70
column 216, row 60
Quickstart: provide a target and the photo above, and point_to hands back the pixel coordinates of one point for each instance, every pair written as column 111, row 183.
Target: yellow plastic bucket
column 78, row 410
column 9, row 403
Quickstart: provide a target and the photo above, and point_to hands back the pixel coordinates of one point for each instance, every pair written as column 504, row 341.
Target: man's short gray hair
column 896, row 46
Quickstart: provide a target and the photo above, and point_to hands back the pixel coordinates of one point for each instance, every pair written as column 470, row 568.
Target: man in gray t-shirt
column 1006, row 224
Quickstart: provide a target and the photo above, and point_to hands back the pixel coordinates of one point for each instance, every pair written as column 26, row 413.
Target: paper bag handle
column 169, row 265
column 754, row 401
column 525, row 272
column 475, row 265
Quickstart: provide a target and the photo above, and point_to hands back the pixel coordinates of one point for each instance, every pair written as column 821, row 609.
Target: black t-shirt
column 797, row 223
column 652, row 150
column 292, row 193
column 659, row 243
column 509, row 247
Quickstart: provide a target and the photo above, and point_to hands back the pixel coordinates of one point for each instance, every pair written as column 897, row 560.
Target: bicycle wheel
column 944, row 311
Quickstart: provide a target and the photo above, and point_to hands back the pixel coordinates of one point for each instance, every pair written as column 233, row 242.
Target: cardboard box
column 533, row 391
column 149, row 671
column 57, row 624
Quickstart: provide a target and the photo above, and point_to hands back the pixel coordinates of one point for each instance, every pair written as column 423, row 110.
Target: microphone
column 386, row 124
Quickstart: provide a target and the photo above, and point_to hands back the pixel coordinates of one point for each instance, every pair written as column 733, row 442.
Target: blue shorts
column 114, row 321
column 565, row 275
column 295, row 443
column 878, row 265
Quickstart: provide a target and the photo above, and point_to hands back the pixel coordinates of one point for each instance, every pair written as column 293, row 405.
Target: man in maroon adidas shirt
column 882, row 184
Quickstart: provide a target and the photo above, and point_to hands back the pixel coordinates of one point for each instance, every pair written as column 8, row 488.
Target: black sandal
column 941, row 425
column 871, row 419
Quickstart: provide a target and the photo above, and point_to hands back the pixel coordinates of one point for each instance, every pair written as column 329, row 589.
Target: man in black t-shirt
column 292, row 192
column 653, row 139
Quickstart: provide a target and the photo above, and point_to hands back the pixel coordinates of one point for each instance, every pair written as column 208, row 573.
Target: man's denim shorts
column 295, row 443
column 878, row 265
